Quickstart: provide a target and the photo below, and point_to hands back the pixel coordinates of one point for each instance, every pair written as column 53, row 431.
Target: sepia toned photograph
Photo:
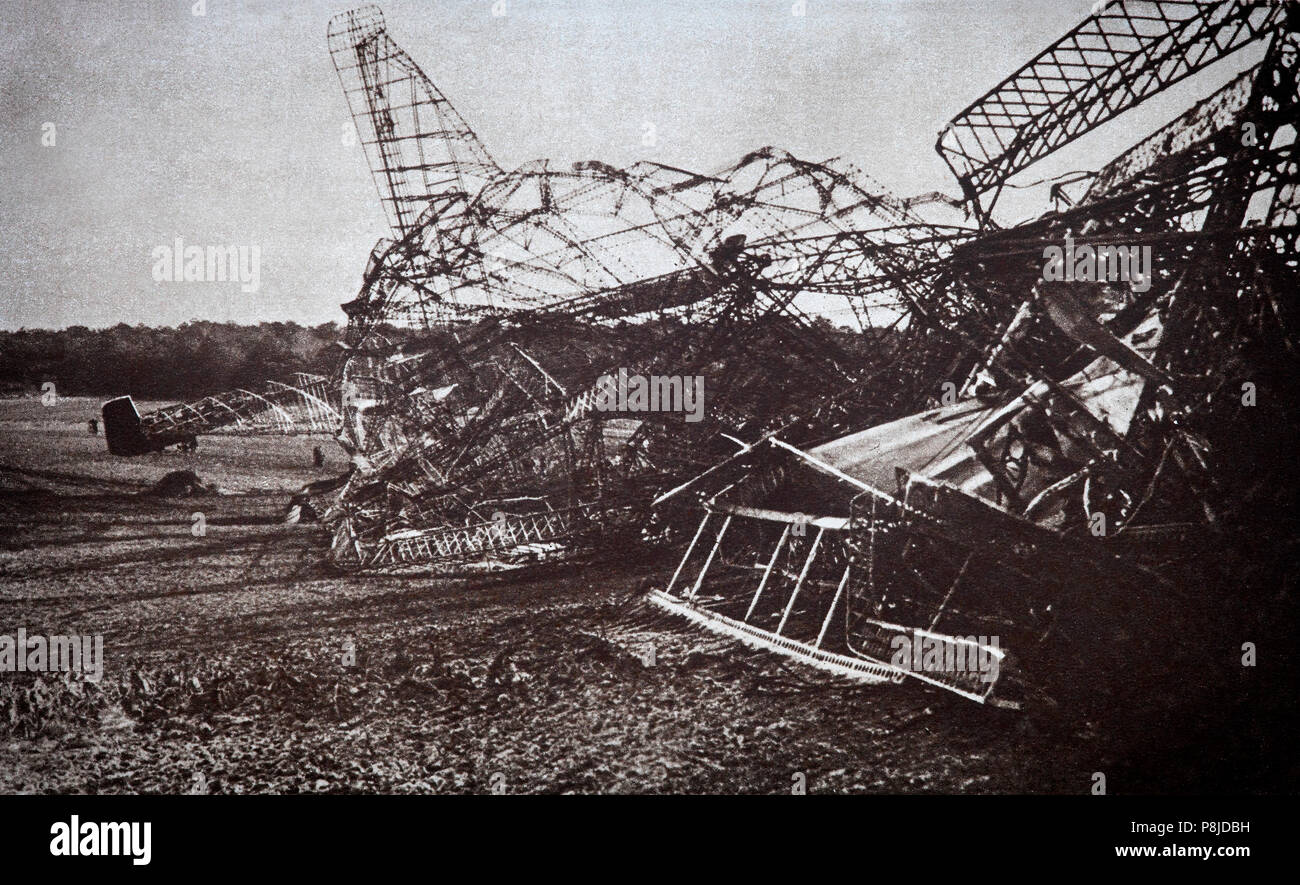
column 782, row 397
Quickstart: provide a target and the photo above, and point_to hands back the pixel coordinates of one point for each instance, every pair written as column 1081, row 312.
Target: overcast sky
column 228, row 128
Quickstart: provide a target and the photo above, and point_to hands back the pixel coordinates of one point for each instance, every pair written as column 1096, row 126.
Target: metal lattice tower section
column 418, row 146
column 1123, row 54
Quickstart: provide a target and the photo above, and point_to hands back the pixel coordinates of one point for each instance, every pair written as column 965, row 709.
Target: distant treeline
column 197, row 359
column 190, row 361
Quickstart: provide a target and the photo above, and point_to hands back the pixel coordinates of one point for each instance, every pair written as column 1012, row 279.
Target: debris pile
column 485, row 391
column 179, row 484
column 1118, row 428
column 1012, row 453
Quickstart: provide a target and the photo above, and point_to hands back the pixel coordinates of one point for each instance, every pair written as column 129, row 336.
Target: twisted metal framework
column 474, row 401
column 1117, row 58
column 309, row 405
column 419, row 148
column 488, row 322
column 1101, row 425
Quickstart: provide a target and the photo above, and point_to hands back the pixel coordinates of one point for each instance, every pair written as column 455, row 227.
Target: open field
column 224, row 665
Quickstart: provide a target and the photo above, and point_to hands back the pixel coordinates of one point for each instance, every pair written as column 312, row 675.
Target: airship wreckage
column 1005, row 450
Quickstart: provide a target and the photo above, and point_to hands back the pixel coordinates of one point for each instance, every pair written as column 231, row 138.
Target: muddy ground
column 238, row 661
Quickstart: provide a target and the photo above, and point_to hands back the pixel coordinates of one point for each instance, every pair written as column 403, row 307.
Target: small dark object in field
column 299, row 510
column 179, row 484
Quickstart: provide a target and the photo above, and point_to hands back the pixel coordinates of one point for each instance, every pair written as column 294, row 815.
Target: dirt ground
column 237, row 661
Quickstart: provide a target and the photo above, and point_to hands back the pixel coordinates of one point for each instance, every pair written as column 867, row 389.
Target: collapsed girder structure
column 309, row 404
column 501, row 303
column 1120, row 56
column 1102, row 429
